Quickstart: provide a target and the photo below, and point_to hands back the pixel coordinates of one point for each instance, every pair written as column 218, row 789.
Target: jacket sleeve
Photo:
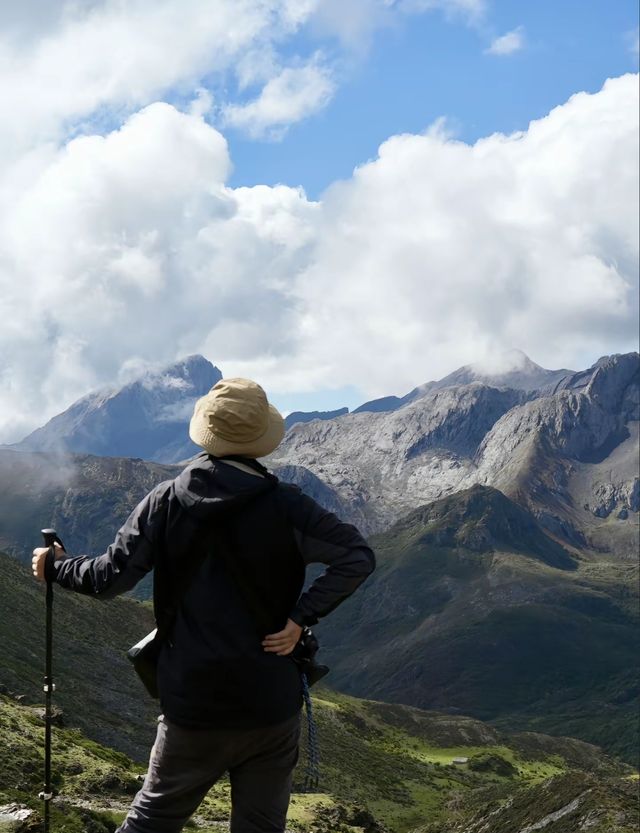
column 127, row 560
column 322, row 538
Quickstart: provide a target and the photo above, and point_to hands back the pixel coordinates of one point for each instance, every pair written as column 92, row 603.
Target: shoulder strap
column 252, row 463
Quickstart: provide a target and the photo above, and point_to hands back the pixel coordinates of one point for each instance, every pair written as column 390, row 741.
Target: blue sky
column 291, row 188
column 427, row 66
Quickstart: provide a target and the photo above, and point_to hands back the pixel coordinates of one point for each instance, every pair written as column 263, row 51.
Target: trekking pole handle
column 51, row 537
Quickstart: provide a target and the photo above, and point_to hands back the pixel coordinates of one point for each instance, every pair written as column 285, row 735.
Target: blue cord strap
column 312, row 778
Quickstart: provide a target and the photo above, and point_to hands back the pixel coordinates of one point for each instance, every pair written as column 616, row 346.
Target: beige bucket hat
column 235, row 417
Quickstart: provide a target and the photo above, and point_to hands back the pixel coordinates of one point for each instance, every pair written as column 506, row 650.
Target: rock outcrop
column 385, row 464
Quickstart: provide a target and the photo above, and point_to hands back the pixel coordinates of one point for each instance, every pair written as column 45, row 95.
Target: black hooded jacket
column 213, row 670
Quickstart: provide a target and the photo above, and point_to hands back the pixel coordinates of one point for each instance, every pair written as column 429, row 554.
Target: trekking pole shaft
column 50, row 539
column 48, row 689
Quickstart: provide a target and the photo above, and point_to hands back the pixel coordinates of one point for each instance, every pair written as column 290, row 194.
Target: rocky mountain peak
column 188, row 374
column 584, row 419
column 535, row 446
column 614, row 383
column 506, row 361
column 510, row 368
column 145, row 417
column 194, row 370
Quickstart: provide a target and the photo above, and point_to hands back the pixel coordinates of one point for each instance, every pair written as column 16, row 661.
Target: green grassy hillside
column 384, row 768
column 473, row 608
column 95, row 685
column 82, row 770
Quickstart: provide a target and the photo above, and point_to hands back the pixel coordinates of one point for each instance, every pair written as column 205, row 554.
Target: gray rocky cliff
column 385, row 464
column 540, row 448
column 540, row 451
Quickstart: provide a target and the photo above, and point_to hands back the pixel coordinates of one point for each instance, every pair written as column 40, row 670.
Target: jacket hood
column 209, row 487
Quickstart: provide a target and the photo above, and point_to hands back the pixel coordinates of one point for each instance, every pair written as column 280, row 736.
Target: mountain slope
column 385, row 464
column 470, row 587
column 535, row 448
column 146, row 418
column 564, row 804
column 382, row 765
column 95, row 684
column 88, row 498
column 474, row 608
column 85, row 498
column 545, row 452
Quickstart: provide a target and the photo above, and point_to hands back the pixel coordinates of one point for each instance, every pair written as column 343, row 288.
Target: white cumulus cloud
column 64, row 63
column 439, row 251
column 60, row 66
column 131, row 248
column 289, row 97
column 507, row 44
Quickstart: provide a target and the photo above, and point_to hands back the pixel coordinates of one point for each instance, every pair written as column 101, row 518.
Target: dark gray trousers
column 185, row 763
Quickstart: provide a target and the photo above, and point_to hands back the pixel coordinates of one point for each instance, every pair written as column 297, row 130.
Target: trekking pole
column 50, row 539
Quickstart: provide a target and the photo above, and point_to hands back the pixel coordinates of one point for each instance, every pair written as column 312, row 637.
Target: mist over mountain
column 146, row 418
column 85, row 498
column 513, row 369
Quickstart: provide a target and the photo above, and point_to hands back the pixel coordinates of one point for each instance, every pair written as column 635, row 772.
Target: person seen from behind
column 230, row 696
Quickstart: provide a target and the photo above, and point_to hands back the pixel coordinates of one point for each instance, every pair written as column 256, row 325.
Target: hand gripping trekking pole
column 50, row 539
